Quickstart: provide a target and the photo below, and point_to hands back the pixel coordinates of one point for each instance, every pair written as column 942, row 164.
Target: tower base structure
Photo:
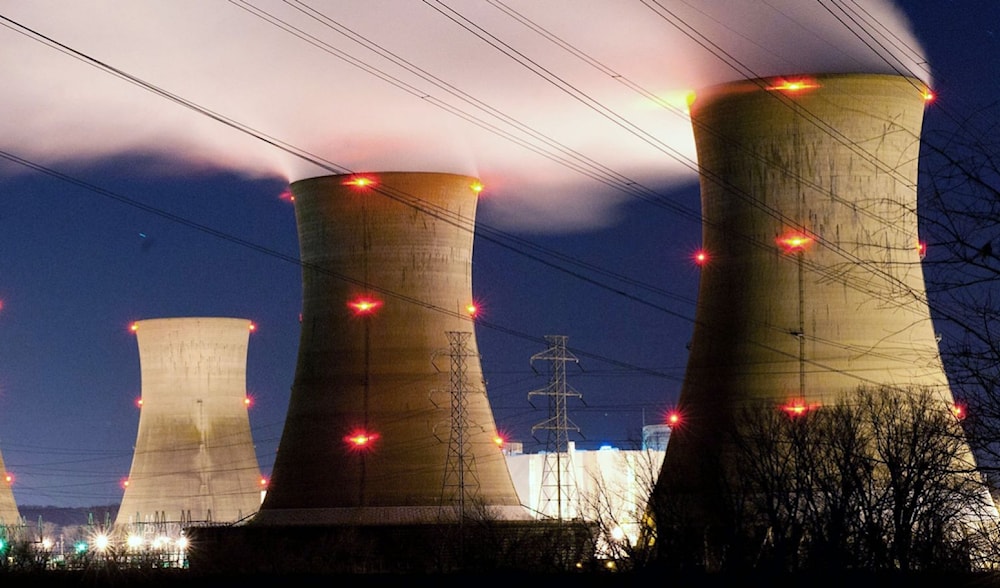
column 475, row 547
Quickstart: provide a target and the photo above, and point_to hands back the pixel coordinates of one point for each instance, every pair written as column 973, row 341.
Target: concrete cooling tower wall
column 814, row 284
column 9, row 514
column 194, row 456
column 387, row 353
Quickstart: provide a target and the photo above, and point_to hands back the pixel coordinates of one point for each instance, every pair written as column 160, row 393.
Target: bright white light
column 134, row 541
column 102, row 542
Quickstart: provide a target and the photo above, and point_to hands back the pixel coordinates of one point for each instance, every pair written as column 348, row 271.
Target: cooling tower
column 388, row 421
column 194, row 458
column 813, row 285
column 9, row 515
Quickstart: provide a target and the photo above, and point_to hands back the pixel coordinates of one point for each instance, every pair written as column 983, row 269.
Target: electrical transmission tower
column 461, row 483
column 558, row 482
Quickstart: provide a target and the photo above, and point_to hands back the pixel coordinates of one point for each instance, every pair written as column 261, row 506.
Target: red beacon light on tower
column 360, row 182
column 364, row 305
column 674, row 418
column 797, row 407
column 361, row 440
column 700, row 257
column 958, row 410
column 8, row 478
column 794, row 241
column 793, row 86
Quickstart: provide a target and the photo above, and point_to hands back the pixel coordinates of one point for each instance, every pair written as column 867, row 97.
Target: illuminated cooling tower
column 9, row 515
column 194, row 458
column 388, row 420
column 813, row 285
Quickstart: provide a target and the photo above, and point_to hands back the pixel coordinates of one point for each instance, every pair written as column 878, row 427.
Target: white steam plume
column 558, row 105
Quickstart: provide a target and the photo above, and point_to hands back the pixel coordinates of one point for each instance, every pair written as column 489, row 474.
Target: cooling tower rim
column 191, row 318
column 177, row 320
column 382, row 174
column 767, row 83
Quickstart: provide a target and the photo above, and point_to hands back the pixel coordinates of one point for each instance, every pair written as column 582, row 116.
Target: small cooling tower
column 9, row 515
column 813, row 285
column 388, row 421
column 194, row 457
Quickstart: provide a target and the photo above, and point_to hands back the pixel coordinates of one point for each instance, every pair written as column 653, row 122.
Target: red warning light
column 499, row 441
column 360, row 182
column 125, row 483
column 263, row 482
column 9, row 478
column 922, row 249
column 252, row 327
column 472, row 309
column 134, row 327
column 287, row 195
column 247, row 401
column 477, row 187
column 361, row 440
column 673, row 418
column 928, row 96
column 797, row 407
column 794, row 85
column 700, row 257
column 365, row 305
column 958, row 410
column 794, row 241
column 138, row 402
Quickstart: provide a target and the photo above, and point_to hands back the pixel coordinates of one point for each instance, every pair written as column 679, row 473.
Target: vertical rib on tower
column 832, row 160
column 194, row 456
column 387, row 274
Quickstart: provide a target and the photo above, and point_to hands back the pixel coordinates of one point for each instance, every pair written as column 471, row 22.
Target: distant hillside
column 65, row 516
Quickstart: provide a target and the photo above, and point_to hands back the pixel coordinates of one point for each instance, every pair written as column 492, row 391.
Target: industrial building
column 609, row 484
column 813, row 285
column 194, row 461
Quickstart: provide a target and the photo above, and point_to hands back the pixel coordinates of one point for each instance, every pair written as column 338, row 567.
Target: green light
column 80, row 547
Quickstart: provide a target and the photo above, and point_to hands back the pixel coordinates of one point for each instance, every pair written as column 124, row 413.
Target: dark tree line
column 881, row 481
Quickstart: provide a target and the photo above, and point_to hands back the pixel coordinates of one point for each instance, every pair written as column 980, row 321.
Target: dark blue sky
column 89, row 245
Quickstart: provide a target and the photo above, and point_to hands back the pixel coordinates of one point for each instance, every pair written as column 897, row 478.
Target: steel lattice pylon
column 558, row 482
column 461, row 484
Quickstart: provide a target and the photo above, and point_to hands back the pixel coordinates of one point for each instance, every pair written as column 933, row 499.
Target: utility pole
column 558, row 483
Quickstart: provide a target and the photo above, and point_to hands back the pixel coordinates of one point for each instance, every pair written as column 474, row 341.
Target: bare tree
column 883, row 480
column 960, row 221
column 619, row 508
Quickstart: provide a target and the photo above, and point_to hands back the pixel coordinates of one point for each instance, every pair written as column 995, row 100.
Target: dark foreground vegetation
column 178, row 577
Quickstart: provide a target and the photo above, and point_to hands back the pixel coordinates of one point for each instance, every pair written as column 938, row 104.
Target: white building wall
column 622, row 479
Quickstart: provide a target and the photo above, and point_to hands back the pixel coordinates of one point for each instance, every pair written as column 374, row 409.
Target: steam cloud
column 556, row 105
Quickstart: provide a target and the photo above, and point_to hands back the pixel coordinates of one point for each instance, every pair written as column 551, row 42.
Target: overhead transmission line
column 281, row 145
